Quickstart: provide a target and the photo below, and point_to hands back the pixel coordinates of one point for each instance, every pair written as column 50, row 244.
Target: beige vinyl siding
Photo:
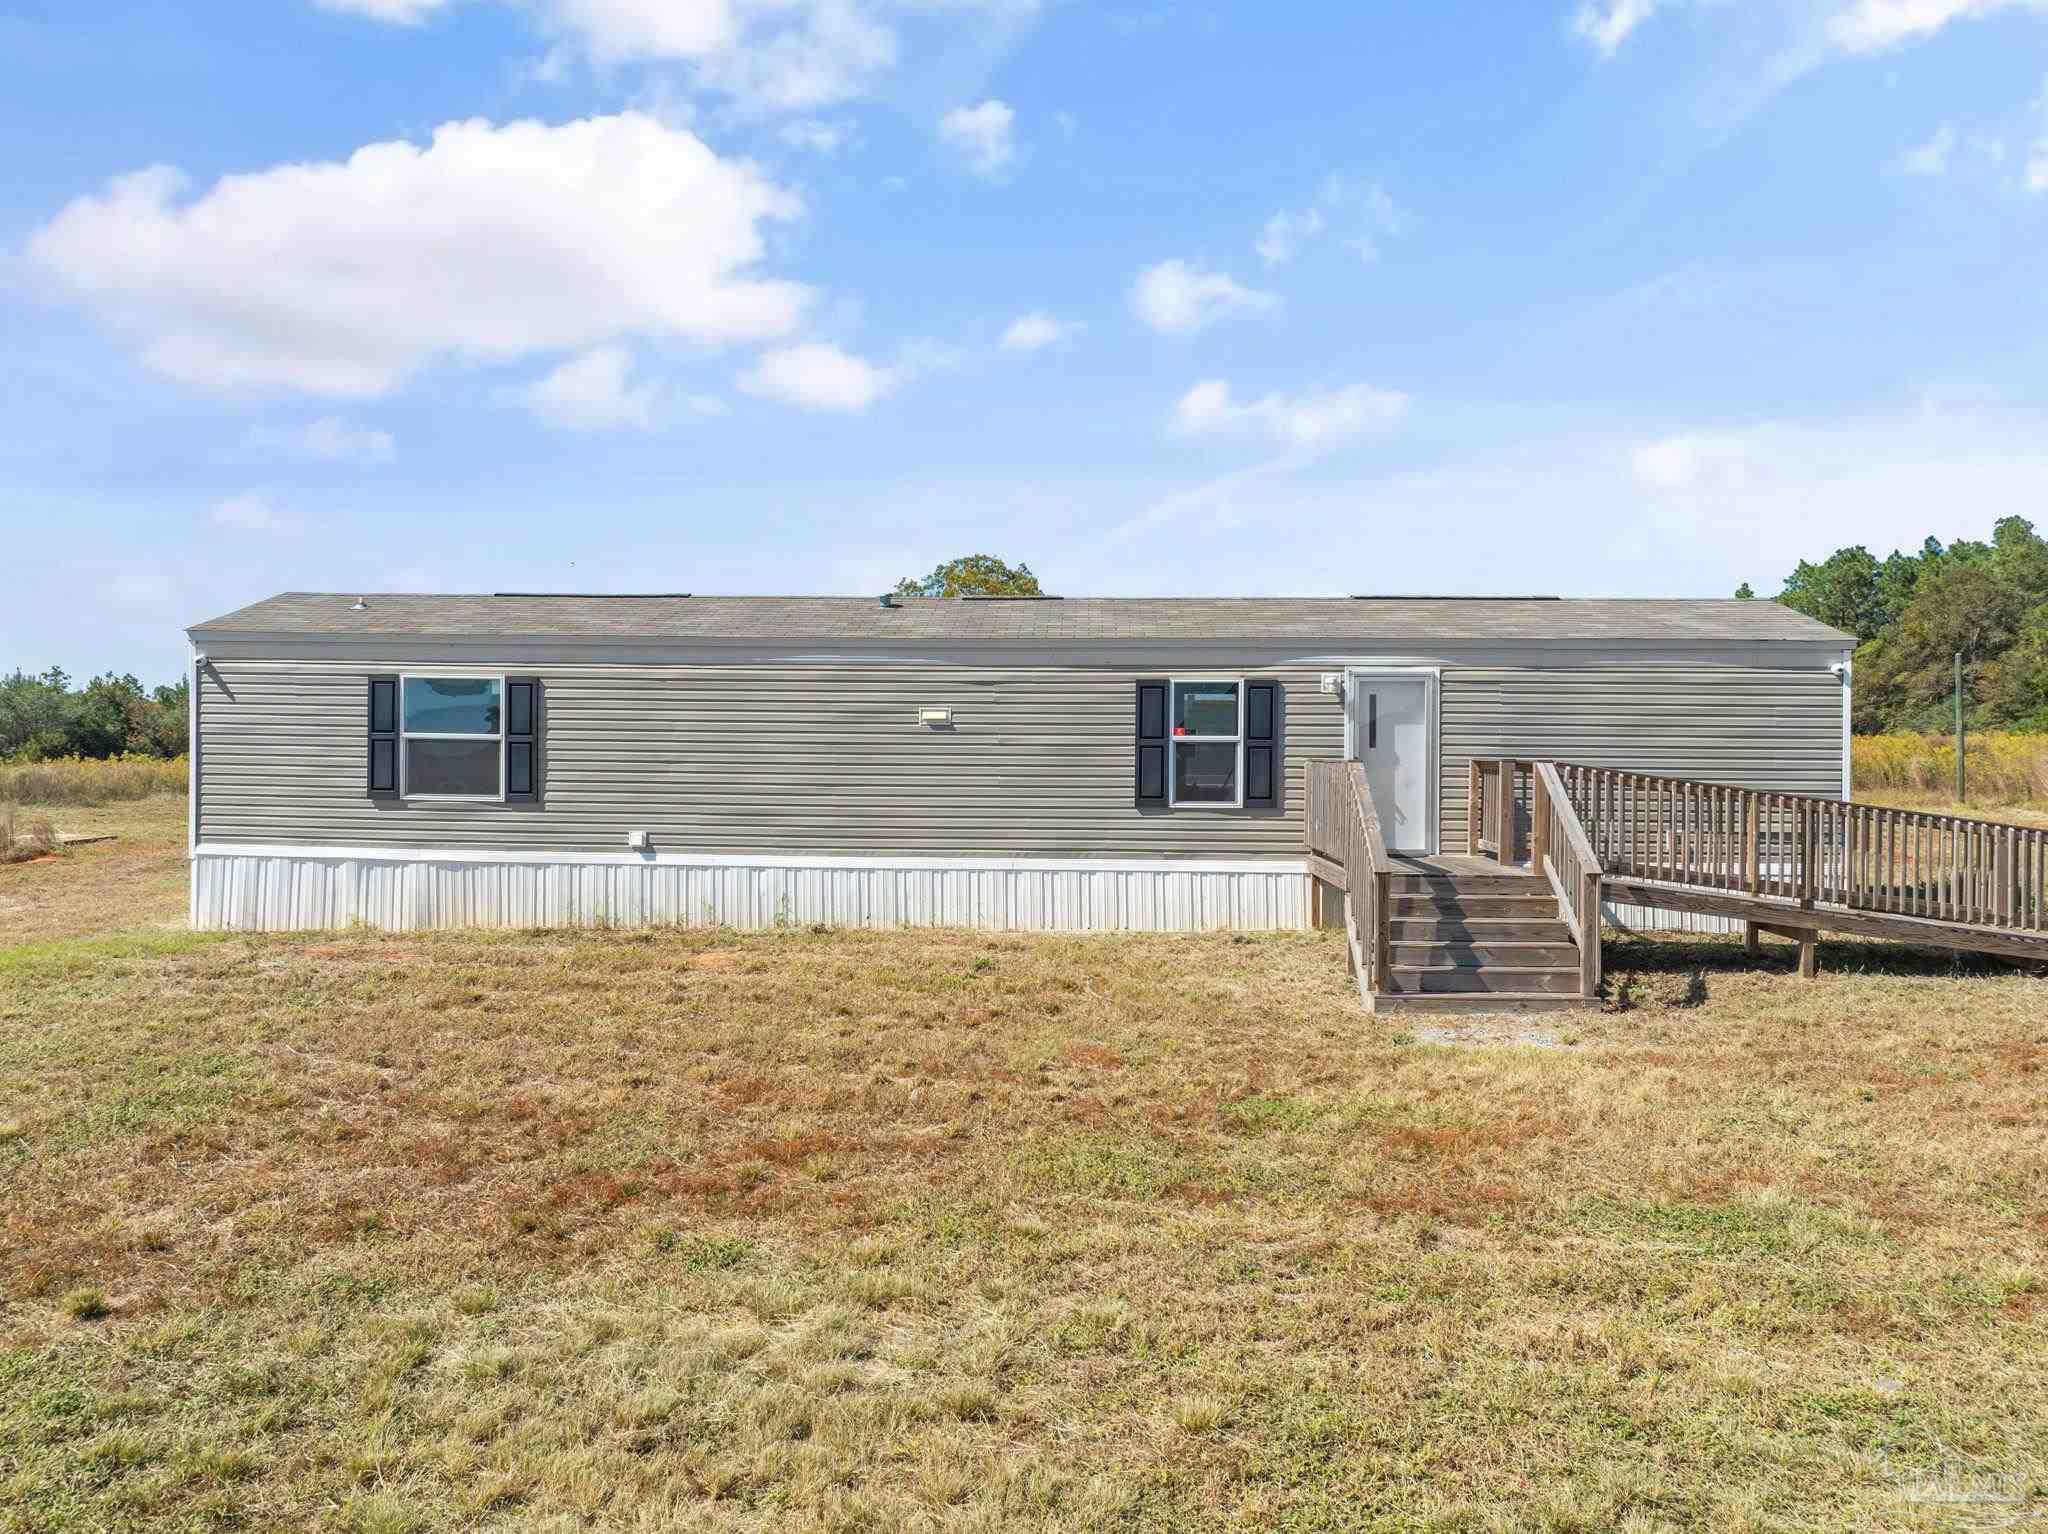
column 796, row 758
column 1757, row 728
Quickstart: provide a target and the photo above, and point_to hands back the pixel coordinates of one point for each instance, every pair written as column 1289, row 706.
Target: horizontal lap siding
column 812, row 758
column 1761, row 729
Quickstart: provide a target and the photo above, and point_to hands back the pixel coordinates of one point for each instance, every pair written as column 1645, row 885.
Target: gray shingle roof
column 1341, row 620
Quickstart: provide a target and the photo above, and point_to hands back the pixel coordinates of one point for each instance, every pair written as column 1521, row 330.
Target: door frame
column 1431, row 678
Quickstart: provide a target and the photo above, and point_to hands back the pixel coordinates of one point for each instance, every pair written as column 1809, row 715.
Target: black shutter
column 1262, row 745
column 522, row 739
column 1151, row 784
column 382, row 782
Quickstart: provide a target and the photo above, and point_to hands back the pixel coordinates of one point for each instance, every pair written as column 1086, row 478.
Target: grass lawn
column 942, row 1230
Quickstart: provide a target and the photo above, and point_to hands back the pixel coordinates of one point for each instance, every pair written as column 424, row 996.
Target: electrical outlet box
column 1333, row 681
column 639, row 841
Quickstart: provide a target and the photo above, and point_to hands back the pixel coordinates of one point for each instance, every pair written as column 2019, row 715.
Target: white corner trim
column 1848, row 674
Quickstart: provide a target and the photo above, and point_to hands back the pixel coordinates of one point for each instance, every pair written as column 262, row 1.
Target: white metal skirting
column 1642, row 918
column 309, row 889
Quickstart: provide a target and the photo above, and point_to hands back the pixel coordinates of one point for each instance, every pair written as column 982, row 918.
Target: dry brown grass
column 941, row 1230
column 136, row 880
column 2004, row 770
column 84, row 780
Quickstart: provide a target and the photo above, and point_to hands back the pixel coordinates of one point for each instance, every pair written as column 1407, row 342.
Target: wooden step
column 1481, row 1004
column 1551, row 979
column 1473, row 905
column 1561, row 954
column 1467, row 884
column 1486, row 929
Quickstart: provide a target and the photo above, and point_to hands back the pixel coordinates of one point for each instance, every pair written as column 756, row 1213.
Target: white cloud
column 335, row 440
column 818, row 376
column 817, row 135
column 1035, row 331
column 1285, row 233
column 341, row 278
column 253, row 512
column 1869, row 26
column 1807, row 487
column 1365, row 206
column 984, row 135
column 329, row 439
column 592, row 392
column 1308, row 420
column 1175, row 299
column 1930, row 158
column 1693, row 461
column 769, row 55
column 1606, row 24
column 2037, row 156
column 785, row 56
column 403, row 13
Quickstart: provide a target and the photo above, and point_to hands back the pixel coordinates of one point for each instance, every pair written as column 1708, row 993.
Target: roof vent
column 359, row 606
column 887, row 599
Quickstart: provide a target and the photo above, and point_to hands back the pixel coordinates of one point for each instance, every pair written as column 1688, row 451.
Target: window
column 1206, row 743
column 453, row 742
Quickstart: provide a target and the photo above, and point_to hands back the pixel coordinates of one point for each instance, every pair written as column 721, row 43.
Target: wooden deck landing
column 1454, row 865
column 1514, row 921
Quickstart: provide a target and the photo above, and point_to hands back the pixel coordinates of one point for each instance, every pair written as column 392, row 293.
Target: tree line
column 1912, row 613
column 43, row 717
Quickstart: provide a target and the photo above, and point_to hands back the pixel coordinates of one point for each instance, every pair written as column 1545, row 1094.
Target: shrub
column 20, row 843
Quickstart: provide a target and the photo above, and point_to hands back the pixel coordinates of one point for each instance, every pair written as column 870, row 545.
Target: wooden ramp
column 1513, row 923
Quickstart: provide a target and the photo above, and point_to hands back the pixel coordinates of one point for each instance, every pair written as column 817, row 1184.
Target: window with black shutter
column 383, row 764
column 522, row 739
column 1209, row 743
column 460, row 737
column 1151, row 766
column 1262, row 770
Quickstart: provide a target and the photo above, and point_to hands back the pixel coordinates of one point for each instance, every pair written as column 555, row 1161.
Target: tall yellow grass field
column 2003, row 768
column 82, row 780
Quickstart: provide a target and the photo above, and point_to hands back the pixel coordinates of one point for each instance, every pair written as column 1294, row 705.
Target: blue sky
column 1636, row 297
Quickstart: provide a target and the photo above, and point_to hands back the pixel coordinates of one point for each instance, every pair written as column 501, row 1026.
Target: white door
column 1390, row 734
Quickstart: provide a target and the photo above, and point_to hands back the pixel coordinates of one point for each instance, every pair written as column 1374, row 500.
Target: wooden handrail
column 1813, row 851
column 1562, row 852
column 1788, row 798
column 1343, row 828
column 1574, row 831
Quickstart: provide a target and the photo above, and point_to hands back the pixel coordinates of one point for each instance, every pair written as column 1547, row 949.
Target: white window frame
column 1173, row 799
column 405, row 735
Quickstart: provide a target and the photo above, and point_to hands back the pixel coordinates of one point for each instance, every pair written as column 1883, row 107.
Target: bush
column 2003, row 767
column 80, row 780
column 20, row 843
